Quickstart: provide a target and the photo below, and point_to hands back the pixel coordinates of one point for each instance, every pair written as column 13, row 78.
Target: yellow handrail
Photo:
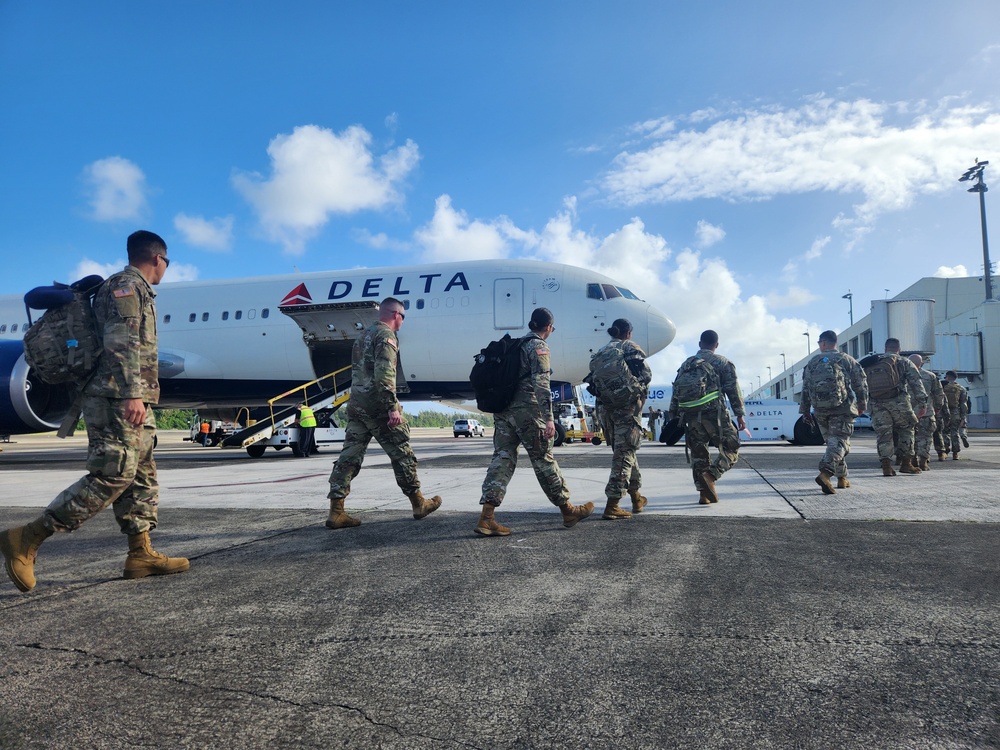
column 304, row 387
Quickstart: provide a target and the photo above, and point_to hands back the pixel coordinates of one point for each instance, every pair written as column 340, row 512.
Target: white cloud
column 380, row 241
column 316, row 173
column 709, row 234
column 451, row 235
column 816, row 250
column 951, row 272
column 116, row 189
column 856, row 148
column 176, row 271
column 795, row 296
column 210, row 234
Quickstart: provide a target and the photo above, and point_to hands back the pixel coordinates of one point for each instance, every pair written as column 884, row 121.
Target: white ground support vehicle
column 468, row 428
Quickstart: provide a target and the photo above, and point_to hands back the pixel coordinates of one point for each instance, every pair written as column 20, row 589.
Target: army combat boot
column 843, row 483
column 488, row 525
column 941, row 455
column 422, row 507
column 703, row 498
column 338, row 516
column 613, row 513
column 887, row 470
column 19, row 547
column 954, row 455
column 908, row 467
column 923, row 463
column 709, row 490
column 573, row 514
column 144, row 561
column 823, row 480
column 638, row 501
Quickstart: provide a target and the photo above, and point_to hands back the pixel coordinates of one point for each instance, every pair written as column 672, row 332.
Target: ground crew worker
column 927, row 424
column 307, row 428
column 835, row 387
column 118, row 410
column 958, row 406
column 528, row 421
column 624, row 361
column 706, row 420
column 374, row 412
column 204, row 429
column 898, row 400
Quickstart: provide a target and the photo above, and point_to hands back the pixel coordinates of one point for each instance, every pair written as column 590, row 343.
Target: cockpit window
column 594, row 291
column 626, row 293
column 611, row 291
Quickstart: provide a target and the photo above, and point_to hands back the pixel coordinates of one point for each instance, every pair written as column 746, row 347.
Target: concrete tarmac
column 779, row 617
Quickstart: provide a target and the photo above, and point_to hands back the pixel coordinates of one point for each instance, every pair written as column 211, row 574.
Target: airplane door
column 508, row 303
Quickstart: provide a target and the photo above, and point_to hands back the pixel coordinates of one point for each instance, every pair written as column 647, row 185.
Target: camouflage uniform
column 711, row 423
column 958, row 408
column 622, row 426
column 373, row 395
column 835, row 424
column 894, row 419
column 120, row 465
column 941, row 441
column 927, row 424
column 523, row 423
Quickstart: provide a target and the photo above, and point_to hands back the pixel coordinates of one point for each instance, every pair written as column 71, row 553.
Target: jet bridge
column 330, row 392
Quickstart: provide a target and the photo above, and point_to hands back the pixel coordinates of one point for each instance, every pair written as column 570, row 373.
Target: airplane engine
column 26, row 403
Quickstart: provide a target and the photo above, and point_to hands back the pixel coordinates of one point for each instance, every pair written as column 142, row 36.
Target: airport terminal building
column 947, row 321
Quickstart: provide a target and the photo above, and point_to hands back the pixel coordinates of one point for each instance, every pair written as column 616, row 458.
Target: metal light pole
column 783, row 368
column 850, row 301
column 976, row 173
column 759, row 386
column 808, row 343
column 769, row 372
column 770, row 387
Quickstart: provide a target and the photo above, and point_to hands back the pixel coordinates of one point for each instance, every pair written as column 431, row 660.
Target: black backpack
column 496, row 373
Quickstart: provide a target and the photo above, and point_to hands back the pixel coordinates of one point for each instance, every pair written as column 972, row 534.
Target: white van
column 468, row 427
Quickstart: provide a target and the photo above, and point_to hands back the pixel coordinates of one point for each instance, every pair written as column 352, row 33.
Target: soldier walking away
column 958, row 406
column 307, row 429
column 897, row 400
column 374, row 412
column 619, row 378
column 834, row 385
column 698, row 400
column 528, row 421
column 928, row 424
column 117, row 405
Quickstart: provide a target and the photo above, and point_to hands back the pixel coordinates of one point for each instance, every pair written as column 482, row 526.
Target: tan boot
column 908, row 467
column 823, row 480
column 843, row 483
column 20, row 547
column 703, row 498
column 638, row 501
column 143, row 561
column 422, row 507
column 488, row 525
column 613, row 513
column 955, row 455
column 941, row 455
column 572, row 515
column 338, row 516
column 923, row 463
column 887, row 470
column 710, row 492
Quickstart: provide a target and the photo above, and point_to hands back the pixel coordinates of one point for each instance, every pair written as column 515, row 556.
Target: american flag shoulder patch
column 123, row 293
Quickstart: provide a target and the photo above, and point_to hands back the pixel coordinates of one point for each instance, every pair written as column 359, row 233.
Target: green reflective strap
column 707, row 398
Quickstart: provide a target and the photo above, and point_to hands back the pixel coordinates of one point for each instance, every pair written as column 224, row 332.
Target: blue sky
column 742, row 165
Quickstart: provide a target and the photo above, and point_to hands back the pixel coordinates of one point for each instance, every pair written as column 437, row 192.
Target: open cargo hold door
column 330, row 330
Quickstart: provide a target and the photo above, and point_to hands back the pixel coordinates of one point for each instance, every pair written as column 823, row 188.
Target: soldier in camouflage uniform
column 836, row 423
column 958, row 408
column 374, row 412
column 117, row 404
column 941, row 442
column 622, row 425
column 710, row 423
column 895, row 416
column 528, row 421
column 927, row 426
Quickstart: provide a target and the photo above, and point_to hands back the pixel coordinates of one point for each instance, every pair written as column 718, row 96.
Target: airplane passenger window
column 594, row 291
column 225, row 314
column 204, row 316
column 13, row 328
column 166, row 318
column 192, row 318
column 251, row 314
column 3, row 328
column 265, row 312
column 406, row 304
column 238, row 315
column 626, row 293
column 420, row 304
column 610, row 291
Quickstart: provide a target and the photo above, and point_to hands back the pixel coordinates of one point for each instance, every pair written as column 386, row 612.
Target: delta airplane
column 224, row 345
column 767, row 419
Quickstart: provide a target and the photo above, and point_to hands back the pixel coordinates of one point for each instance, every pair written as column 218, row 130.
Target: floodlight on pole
column 808, row 343
column 769, row 372
column 976, row 173
column 783, row 367
column 850, row 301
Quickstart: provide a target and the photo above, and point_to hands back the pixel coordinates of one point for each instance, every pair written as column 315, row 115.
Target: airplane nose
column 660, row 330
